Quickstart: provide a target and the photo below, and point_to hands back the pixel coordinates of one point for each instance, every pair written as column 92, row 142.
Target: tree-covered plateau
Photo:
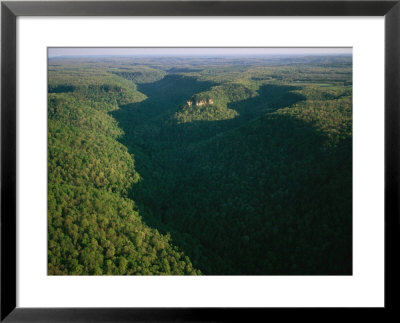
column 190, row 166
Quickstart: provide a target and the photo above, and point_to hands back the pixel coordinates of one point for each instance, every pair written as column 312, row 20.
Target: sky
column 181, row 51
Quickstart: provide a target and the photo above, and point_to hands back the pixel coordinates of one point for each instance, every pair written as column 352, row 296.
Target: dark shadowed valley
column 191, row 165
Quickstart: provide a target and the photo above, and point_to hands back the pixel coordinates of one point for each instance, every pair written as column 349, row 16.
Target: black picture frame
column 11, row 10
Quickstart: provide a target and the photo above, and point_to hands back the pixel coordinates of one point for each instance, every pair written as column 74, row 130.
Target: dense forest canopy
column 200, row 165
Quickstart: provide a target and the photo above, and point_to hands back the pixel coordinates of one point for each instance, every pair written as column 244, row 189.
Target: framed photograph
column 198, row 160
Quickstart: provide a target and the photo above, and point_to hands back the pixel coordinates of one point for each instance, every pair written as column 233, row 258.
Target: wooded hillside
column 200, row 166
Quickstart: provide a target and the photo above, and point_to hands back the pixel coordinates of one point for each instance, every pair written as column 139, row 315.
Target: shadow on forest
column 210, row 184
column 162, row 97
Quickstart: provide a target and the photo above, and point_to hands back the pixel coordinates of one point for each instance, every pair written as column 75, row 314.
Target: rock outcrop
column 200, row 103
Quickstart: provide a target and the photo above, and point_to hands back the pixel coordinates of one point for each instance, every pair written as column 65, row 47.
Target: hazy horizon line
column 197, row 56
column 196, row 52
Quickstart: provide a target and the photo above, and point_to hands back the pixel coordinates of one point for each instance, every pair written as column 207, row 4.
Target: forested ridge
column 216, row 166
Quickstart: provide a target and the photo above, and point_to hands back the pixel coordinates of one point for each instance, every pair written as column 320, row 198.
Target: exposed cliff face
column 200, row 103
